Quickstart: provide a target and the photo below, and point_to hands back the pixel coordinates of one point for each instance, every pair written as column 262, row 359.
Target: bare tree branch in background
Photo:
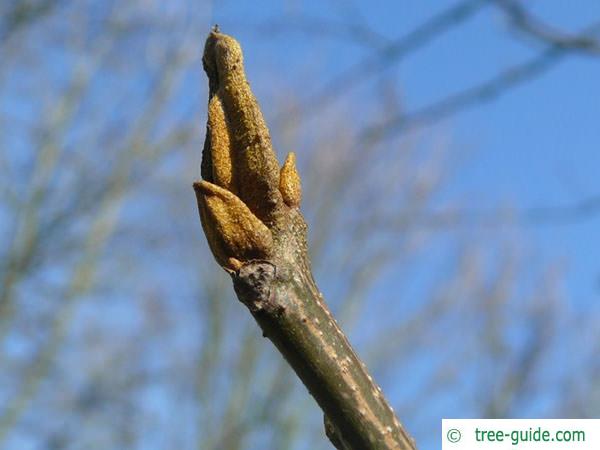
column 391, row 53
column 524, row 22
column 496, row 217
column 21, row 13
column 478, row 94
column 339, row 30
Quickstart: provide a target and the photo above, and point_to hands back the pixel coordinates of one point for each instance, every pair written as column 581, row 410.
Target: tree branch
column 388, row 54
column 24, row 12
column 531, row 26
column 249, row 210
column 480, row 93
column 353, row 32
column 577, row 211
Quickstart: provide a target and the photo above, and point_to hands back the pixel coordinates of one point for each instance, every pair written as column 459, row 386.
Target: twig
column 249, row 210
column 531, row 26
column 533, row 216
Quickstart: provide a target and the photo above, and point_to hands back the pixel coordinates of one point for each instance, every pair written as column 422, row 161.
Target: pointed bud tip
column 290, row 183
column 203, row 187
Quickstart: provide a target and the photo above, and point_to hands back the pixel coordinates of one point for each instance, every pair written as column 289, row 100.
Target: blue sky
column 536, row 145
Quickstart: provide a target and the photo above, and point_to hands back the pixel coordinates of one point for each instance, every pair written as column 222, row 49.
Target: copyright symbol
column 453, row 435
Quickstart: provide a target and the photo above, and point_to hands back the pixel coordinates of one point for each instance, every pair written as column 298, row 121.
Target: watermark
column 521, row 434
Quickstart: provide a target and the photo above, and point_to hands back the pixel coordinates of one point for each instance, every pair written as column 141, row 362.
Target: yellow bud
column 233, row 232
column 255, row 165
column 289, row 182
column 220, row 147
